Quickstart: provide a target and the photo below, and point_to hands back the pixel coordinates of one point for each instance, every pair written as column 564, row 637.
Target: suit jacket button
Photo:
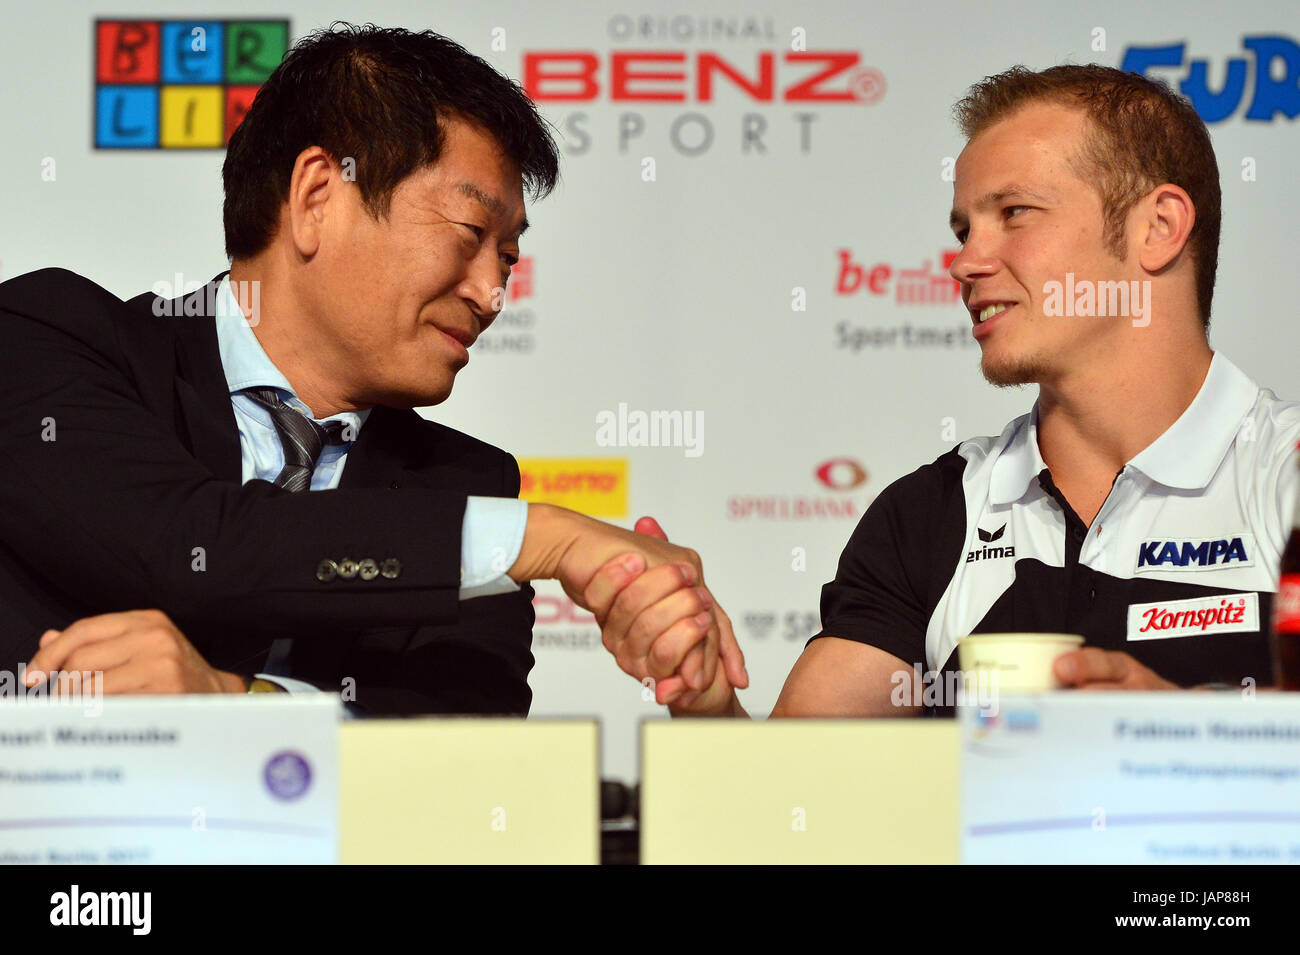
column 393, row 485
column 326, row 571
column 391, row 568
column 369, row 569
column 348, row 568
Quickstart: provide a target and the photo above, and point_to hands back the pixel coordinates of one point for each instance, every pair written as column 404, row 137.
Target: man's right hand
column 646, row 630
column 719, row 699
column 669, row 599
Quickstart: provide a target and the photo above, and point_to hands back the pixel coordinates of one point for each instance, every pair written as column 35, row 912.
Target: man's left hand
column 136, row 651
column 1092, row 668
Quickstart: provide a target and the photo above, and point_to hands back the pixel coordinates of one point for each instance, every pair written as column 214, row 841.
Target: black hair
column 376, row 96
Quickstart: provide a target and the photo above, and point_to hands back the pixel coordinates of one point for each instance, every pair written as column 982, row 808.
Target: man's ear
column 311, row 186
column 1168, row 215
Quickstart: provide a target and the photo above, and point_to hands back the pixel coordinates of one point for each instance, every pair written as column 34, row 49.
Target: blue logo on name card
column 287, row 775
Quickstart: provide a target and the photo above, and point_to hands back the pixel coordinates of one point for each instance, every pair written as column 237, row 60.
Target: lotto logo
column 180, row 84
column 595, row 486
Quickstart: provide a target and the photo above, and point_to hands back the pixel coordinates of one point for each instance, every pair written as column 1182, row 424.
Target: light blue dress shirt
column 492, row 532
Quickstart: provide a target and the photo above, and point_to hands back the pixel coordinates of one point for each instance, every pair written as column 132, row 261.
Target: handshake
column 656, row 615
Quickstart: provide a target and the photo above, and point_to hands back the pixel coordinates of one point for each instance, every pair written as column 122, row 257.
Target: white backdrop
column 666, row 268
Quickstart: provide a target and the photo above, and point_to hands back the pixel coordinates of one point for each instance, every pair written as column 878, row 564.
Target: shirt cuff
column 492, row 534
column 299, row 686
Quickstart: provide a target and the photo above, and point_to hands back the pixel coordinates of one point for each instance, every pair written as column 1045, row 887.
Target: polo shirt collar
column 1186, row 456
column 1019, row 461
column 1190, row 451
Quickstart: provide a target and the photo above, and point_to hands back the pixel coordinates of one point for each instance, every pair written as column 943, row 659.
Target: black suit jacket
column 120, row 489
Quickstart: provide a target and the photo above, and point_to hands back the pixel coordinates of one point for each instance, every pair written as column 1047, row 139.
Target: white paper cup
column 1021, row 662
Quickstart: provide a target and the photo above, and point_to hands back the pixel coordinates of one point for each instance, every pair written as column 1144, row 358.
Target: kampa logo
column 988, row 552
column 1195, row 554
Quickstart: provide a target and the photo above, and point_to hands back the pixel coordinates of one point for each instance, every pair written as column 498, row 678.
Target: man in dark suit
column 174, row 528
column 245, row 459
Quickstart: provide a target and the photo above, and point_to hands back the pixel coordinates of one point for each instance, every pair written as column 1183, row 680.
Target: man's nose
column 482, row 288
column 973, row 261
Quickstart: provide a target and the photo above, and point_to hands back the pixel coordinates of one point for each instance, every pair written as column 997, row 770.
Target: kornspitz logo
column 1229, row 613
column 287, row 775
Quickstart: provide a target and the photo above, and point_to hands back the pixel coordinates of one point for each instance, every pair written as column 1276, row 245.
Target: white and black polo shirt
column 1178, row 568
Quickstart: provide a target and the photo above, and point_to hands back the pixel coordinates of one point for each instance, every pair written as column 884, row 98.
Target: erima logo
column 1196, row 554
column 989, row 553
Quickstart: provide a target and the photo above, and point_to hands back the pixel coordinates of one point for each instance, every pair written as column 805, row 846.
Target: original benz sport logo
column 991, row 550
column 1193, row 554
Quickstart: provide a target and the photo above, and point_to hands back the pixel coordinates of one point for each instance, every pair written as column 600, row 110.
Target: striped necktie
column 303, row 441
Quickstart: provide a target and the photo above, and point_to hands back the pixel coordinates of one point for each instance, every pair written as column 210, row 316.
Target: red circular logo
column 841, row 474
column 868, row 85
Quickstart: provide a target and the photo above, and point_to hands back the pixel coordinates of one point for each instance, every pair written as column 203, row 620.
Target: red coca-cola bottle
column 1286, row 613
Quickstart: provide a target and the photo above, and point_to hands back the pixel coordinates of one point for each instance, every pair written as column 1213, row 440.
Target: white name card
column 186, row 779
column 1110, row 777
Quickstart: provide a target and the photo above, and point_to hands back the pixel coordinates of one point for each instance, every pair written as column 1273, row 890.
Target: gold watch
column 258, row 685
